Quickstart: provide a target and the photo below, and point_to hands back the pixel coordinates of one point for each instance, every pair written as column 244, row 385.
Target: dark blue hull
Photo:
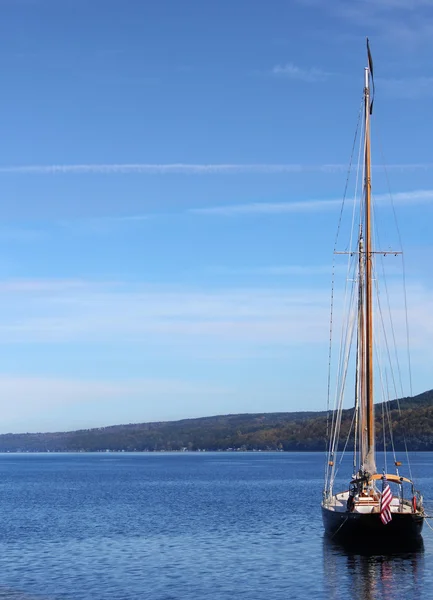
column 363, row 529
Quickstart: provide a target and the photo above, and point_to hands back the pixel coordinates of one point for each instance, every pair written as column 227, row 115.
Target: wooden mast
column 361, row 392
column 369, row 458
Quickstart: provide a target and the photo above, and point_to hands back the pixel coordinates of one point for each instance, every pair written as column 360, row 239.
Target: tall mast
column 360, row 400
column 369, row 457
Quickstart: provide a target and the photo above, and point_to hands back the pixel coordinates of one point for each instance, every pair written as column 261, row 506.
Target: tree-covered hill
column 294, row 431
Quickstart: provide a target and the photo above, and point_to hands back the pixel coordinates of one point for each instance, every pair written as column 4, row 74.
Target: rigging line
column 336, row 436
column 355, row 278
column 407, row 327
column 384, row 437
column 424, row 517
column 407, row 338
column 384, row 279
column 349, row 309
column 345, row 445
column 346, row 346
column 379, row 368
column 389, row 358
column 348, row 174
column 393, row 378
column 345, row 520
column 354, row 266
column 333, row 278
column 356, row 409
column 356, row 187
column 394, row 212
column 387, row 405
column 377, row 349
column 390, row 363
column 343, row 344
column 388, row 412
column 382, row 322
column 392, row 329
column 384, row 404
column 385, row 337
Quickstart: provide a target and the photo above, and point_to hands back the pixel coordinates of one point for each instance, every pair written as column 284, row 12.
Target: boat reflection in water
column 385, row 575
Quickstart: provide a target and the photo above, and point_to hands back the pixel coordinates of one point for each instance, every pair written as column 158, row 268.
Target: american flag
column 385, row 502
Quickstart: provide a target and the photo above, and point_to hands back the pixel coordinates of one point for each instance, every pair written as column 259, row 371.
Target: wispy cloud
column 32, row 286
column 102, row 225
column 391, row 5
column 404, row 25
column 172, row 319
column 269, row 208
column 368, row 7
column 164, row 169
column 62, row 311
column 410, row 88
column 193, row 169
column 21, row 235
column 295, row 270
column 291, row 71
column 164, row 321
column 276, row 270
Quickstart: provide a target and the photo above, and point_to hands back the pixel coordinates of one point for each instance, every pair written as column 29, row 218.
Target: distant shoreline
column 259, row 432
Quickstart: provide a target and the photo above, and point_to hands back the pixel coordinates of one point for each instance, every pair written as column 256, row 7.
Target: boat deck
column 367, row 504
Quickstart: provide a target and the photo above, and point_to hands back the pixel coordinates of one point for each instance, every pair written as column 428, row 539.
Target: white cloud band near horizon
column 62, row 311
column 165, row 325
column 70, row 311
column 193, row 169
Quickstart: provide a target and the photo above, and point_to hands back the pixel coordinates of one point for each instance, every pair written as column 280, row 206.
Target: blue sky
column 171, row 175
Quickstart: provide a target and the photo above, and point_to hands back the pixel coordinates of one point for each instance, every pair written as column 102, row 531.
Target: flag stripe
column 385, row 503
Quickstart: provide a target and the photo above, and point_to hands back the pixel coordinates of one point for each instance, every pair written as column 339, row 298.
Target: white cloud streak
column 44, row 285
column 276, row 270
column 268, row 208
column 193, row 169
column 291, row 71
column 313, row 206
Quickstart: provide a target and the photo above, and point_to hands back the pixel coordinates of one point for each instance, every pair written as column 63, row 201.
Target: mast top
column 368, row 73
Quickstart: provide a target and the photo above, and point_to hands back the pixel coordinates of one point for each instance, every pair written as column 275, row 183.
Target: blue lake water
column 186, row 526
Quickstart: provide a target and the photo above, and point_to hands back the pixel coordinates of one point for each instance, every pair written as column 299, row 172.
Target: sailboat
column 376, row 506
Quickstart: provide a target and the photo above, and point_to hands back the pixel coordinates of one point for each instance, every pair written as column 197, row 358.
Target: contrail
column 194, row 169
